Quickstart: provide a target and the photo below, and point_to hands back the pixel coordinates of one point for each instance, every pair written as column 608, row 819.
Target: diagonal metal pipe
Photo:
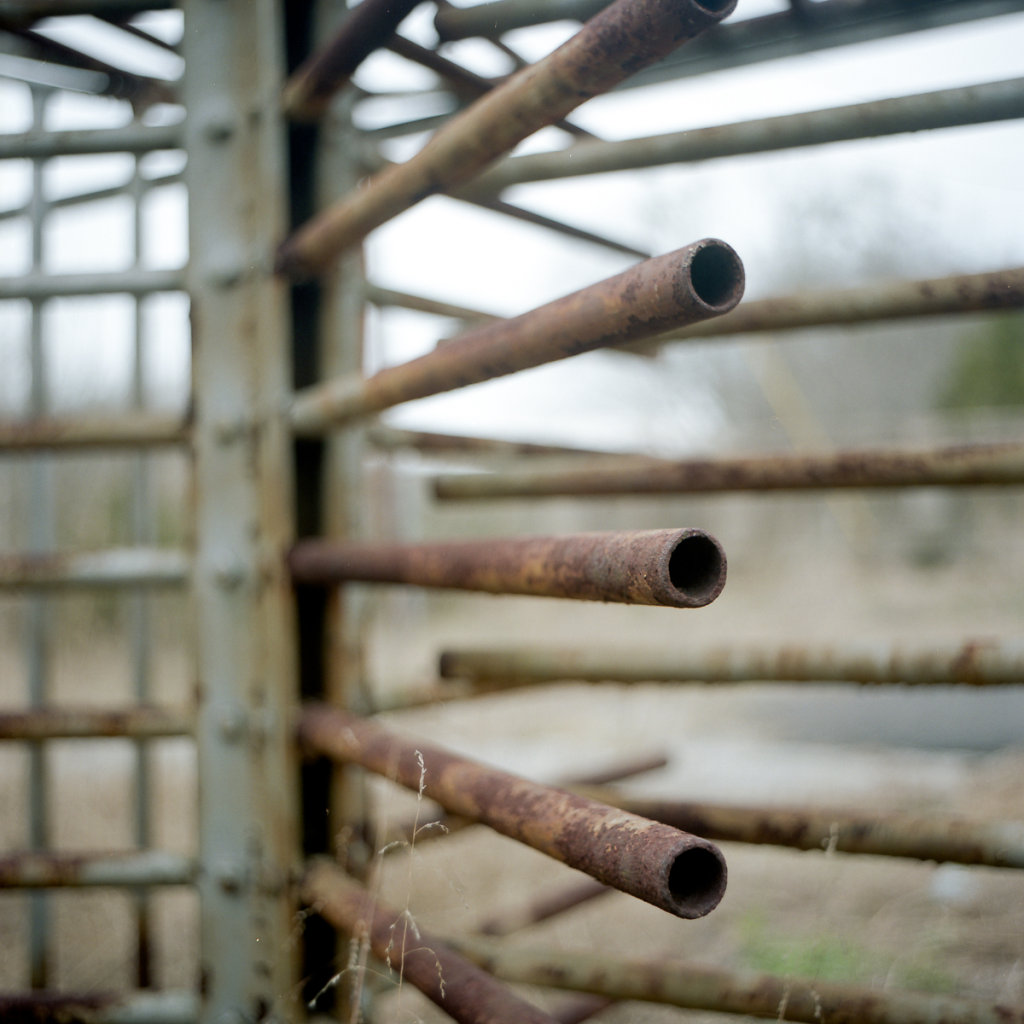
column 670, row 869
column 683, row 568
column 704, row 279
column 616, row 43
column 464, row 991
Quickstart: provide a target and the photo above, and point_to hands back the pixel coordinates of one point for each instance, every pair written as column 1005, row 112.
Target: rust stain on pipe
column 464, row 991
column 676, row 568
column 671, row 869
column 701, row 280
column 618, row 42
column 994, row 464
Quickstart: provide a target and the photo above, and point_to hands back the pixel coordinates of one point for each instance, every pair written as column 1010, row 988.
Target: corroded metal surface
column 673, row 870
column 971, row 662
column 53, row 723
column 461, row 989
column 890, row 300
column 997, row 844
column 677, row 568
column 997, row 464
column 701, row 280
column 131, row 430
column 618, row 42
column 365, row 28
column 115, row 567
column 706, row 988
column 988, row 102
column 38, row 870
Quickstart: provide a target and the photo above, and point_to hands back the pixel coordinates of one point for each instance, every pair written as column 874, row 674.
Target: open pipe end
column 696, row 880
column 716, row 8
column 716, row 275
column 696, row 569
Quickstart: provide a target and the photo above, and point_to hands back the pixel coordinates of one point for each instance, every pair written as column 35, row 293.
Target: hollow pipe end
column 716, row 275
column 696, row 879
column 696, row 569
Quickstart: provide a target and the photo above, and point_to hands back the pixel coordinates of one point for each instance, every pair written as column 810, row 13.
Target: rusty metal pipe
column 671, row 869
column 366, row 27
column 35, row 870
column 891, row 300
column 702, row 280
column 998, row 844
column 464, row 991
column 142, row 1007
column 429, row 442
column 130, row 430
column 77, row 723
column 115, row 567
column 691, row 986
column 945, row 108
column 618, row 42
column 971, row 662
column 675, row 568
column 541, row 907
column 995, row 464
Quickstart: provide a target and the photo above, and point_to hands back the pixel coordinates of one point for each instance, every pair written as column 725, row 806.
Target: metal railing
column 277, row 529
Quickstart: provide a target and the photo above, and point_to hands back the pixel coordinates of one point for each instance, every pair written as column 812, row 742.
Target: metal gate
column 190, row 706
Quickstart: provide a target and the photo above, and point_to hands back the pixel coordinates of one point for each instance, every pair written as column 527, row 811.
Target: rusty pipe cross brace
column 701, row 280
column 676, row 568
column 670, row 869
column 616, row 43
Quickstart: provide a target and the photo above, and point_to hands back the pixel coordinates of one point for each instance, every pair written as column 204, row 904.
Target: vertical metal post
column 40, row 538
column 244, row 611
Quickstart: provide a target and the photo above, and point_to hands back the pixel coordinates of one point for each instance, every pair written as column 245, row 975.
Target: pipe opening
column 696, row 880
column 716, row 274
column 716, row 6
column 696, row 567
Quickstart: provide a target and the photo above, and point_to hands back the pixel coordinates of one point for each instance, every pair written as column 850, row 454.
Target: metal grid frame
column 259, row 645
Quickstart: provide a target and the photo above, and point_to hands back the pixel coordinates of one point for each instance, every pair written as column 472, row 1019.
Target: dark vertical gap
column 319, row 939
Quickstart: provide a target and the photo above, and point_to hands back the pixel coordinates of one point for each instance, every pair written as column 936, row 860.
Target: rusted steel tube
column 495, row 18
column 34, row 870
column 460, row 444
column 971, row 662
column 142, row 1007
column 702, row 280
column 404, row 300
column 673, row 870
column 998, row 844
column 618, row 42
column 676, row 568
column 464, row 991
column 697, row 987
column 945, row 108
column 115, row 567
column 74, row 723
column 996, row 464
column 137, row 430
column 895, row 300
column 367, row 27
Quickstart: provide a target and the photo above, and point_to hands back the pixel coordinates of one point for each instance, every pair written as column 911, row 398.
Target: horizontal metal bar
column 133, row 138
column 675, row 568
column 94, row 195
column 461, row 444
column 980, row 662
column 365, row 28
column 697, row 987
column 101, row 1008
column 894, row 300
column 542, row 906
column 462, row 990
column 131, row 282
column 35, row 870
column 675, row 871
column 617, row 43
column 995, row 464
column 390, row 297
column 945, row 108
column 129, row 430
column 996, row 844
column 114, row 567
column 702, row 280
column 71, row 723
